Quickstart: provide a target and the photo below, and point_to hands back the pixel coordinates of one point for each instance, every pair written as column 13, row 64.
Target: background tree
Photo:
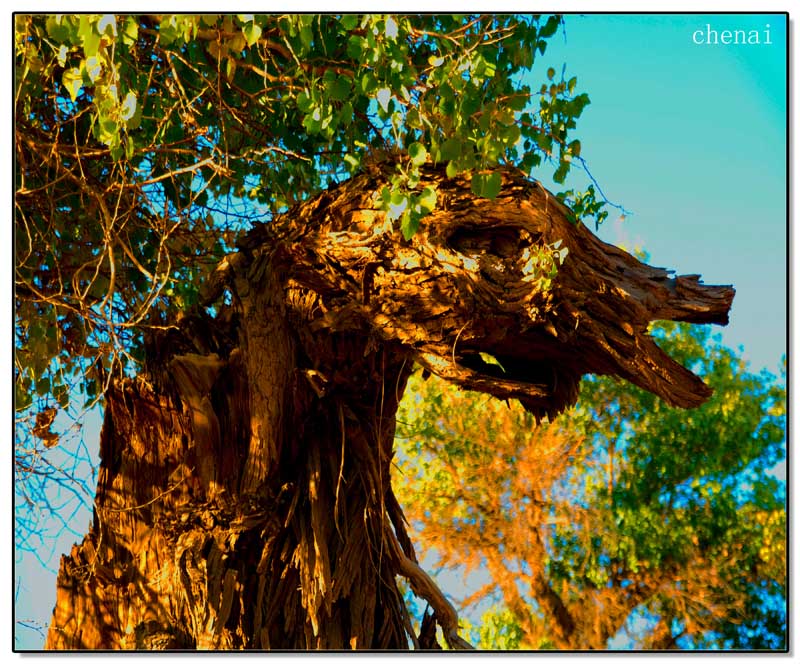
column 625, row 519
column 244, row 496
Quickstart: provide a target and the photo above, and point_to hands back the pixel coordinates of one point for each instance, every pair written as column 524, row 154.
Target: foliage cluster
column 144, row 144
column 625, row 520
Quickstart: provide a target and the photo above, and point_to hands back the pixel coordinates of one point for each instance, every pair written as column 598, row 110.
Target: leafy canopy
column 625, row 518
column 144, row 144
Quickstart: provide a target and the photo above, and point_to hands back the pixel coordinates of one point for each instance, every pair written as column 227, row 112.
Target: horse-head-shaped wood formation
column 244, row 497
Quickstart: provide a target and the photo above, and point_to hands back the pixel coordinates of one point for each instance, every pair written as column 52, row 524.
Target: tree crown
column 145, row 144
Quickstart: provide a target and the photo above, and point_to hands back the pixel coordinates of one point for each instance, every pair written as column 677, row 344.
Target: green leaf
column 252, row 33
column 486, row 185
column 450, row 149
column 135, row 120
column 313, row 122
column 304, row 101
column 58, row 29
column 90, row 38
column 108, row 132
column 427, row 199
column 399, row 199
column 571, row 85
column 339, row 89
column 417, row 153
column 519, row 101
column 383, row 198
column 42, row 386
column 409, row 223
column 349, row 21
column 130, row 32
column 561, row 173
column 73, row 82
column 167, row 30
column 306, row 37
column 355, row 47
column 511, row 135
column 550, row 27
column 482, row 68
column 369, row 83
column 413, row 118
column 346, row 113
column 471, row 102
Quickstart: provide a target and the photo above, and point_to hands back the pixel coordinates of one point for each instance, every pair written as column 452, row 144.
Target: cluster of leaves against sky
column 625, row 519
column 144, row 144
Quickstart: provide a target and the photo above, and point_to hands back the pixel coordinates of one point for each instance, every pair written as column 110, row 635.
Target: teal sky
column 691, row 139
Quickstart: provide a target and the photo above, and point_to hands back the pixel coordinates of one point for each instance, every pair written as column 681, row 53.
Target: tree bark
column 244, row 496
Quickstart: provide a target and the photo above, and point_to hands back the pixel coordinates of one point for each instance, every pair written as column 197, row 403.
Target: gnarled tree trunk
column 244, row 497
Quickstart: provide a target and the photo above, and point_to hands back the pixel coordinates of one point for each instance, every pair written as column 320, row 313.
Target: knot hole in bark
column 505, row 242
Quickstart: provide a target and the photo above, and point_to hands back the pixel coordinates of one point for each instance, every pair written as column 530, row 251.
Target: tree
column 624, row 517
column 251, row 373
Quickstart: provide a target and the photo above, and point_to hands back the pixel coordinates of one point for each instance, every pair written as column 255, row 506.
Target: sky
column 690, row 138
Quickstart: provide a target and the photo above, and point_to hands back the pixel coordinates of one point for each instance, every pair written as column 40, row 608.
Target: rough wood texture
column 468, row 283
column 244, row 497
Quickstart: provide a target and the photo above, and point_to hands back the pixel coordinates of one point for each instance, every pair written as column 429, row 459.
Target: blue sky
column 689, row 138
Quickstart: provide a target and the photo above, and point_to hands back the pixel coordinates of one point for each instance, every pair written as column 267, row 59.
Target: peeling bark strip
column 244, row 497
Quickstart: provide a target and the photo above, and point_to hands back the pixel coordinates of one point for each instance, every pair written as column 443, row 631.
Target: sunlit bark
column 244, row 497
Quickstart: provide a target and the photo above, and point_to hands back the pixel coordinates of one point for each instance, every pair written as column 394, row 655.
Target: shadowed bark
column 244, row 497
